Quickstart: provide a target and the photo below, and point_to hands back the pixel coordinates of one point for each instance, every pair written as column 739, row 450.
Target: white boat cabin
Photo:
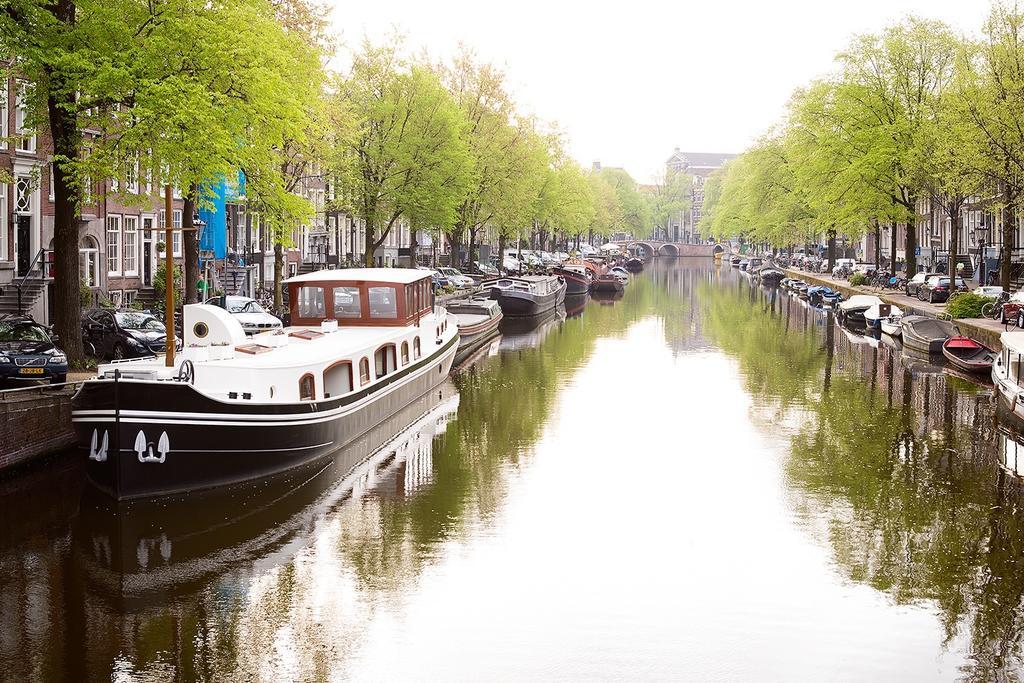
column 350, row 329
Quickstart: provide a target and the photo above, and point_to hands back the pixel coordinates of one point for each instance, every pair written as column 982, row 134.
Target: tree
column 670, row 196
column 184, row 89
column 405, row 156
column 989, row 88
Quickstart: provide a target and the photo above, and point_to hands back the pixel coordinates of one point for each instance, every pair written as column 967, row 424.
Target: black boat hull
column 211, row 443
column 523, row 304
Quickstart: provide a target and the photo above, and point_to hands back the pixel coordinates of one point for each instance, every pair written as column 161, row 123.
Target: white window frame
column 91, row 274
column 176, row 233
column 50, row 165
column 130, row 250
column 115, row 297
column 131, row 180
column 128, row 297
column 25, row 144
column 113, row 219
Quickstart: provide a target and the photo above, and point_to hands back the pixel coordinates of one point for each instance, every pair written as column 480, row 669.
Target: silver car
column 253, row 317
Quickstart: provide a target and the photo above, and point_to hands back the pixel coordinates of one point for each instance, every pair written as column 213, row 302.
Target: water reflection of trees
column 895, row 464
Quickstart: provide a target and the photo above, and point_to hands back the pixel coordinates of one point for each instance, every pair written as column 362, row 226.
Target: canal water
column 703, row 480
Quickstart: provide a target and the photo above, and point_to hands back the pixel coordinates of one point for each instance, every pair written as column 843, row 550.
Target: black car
column 937, row 289
column 122, row 334
column 28, row 351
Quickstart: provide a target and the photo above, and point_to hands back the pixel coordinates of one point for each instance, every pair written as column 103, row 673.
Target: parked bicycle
column 994, row 309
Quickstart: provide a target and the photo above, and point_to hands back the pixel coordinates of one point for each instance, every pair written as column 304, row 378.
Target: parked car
column 485, row 269
column 439, row 281
column 456, row 278
column 123, row 334
column 990, row 291
column 253, row 317
column 28, row 351
column 914, row 283
column 938, row 288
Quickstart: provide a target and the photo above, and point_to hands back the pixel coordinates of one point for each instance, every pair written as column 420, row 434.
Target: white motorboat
column 876, row 314
column 852, row 310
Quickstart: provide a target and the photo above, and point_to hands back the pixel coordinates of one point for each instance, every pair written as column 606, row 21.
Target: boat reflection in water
column 153, row 560
column 575, row 304
column 527, row 333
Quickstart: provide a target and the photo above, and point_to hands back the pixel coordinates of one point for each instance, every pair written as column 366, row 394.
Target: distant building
column 698, row 165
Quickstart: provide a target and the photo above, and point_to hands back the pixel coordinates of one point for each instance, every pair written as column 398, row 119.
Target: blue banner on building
column 213, row 212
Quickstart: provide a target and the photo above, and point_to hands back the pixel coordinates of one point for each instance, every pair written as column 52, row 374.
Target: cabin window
column 311, row 302
column 384, row 360
column 347, row 303
column 307, row 388
column 416, row 347
column 338, row 379
column 364, row 371
column 383, row 302
column 405, row 353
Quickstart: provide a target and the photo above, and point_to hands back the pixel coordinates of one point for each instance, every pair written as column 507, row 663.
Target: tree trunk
column 502, row 241
column 190, row 243
column 67, row 301
column 878, row 244
column 911, row 240
column 278, row 268
column 954, row 246
column 893, row 242
column 454, row 245
column 831, row 249
column 413, row 248
column 471, row 256
column 1009, row 225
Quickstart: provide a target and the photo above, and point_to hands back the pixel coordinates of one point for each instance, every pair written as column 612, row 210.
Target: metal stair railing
column 20, row 284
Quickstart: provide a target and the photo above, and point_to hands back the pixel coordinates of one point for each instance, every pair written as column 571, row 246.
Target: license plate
column 31, row 371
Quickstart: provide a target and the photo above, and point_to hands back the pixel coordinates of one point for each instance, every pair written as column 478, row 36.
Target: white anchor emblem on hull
column 144, row 449
column 100, row 454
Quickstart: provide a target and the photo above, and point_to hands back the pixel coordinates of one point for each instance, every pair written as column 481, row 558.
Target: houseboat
column 363, row 344
column 1008, row 371
column 577, row 278
column 526, row 296
column 477, row 318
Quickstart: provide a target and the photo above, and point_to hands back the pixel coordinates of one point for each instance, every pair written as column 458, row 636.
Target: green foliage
column 85, row 294
column 967, row 305
column 400, row 144
column 160, row 284
column 858, row 279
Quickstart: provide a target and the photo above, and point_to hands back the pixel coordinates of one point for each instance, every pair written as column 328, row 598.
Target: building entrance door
column 24, row 241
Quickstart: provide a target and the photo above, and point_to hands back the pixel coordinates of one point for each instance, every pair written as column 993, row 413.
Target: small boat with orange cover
column 968, row 355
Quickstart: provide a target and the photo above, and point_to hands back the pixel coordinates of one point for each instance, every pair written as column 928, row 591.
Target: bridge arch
column 668, row 250
column 719, row 249
column 649, row 250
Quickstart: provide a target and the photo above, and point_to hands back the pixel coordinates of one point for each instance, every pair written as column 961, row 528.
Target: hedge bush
column 858, row 279
column 967, row 305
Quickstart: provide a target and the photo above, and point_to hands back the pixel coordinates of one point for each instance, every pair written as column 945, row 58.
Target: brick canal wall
column 33, row 423
column 985, row 331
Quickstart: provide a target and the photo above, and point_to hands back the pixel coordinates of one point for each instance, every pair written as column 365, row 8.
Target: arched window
column 384, row 360
column 307, row 388
column 405, row 353
column 338, row 379
column 88, row 260
column 364, row 371
column 416, row 347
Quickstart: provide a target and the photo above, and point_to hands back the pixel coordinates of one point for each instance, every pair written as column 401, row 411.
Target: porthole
column 200, row 329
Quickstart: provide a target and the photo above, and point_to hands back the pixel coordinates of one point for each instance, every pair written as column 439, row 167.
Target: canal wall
column 34, row 422
column 985, row 331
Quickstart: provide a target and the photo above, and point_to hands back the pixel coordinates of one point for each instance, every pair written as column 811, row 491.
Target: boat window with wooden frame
column 384, row 360
column 310, row 304
column 347, row 303
column 364, row 371
column 307, row 388
column 338, row 379
column 405, row 353
column 383, row 302
column 416, row 347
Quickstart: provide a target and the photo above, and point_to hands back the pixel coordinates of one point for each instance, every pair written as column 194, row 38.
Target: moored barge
column 364, row 343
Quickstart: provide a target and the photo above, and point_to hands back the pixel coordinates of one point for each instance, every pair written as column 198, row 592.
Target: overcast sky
column 630, row 82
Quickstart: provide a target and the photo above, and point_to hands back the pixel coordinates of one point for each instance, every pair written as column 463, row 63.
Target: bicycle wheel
column 952, row 296
column 988, row 310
